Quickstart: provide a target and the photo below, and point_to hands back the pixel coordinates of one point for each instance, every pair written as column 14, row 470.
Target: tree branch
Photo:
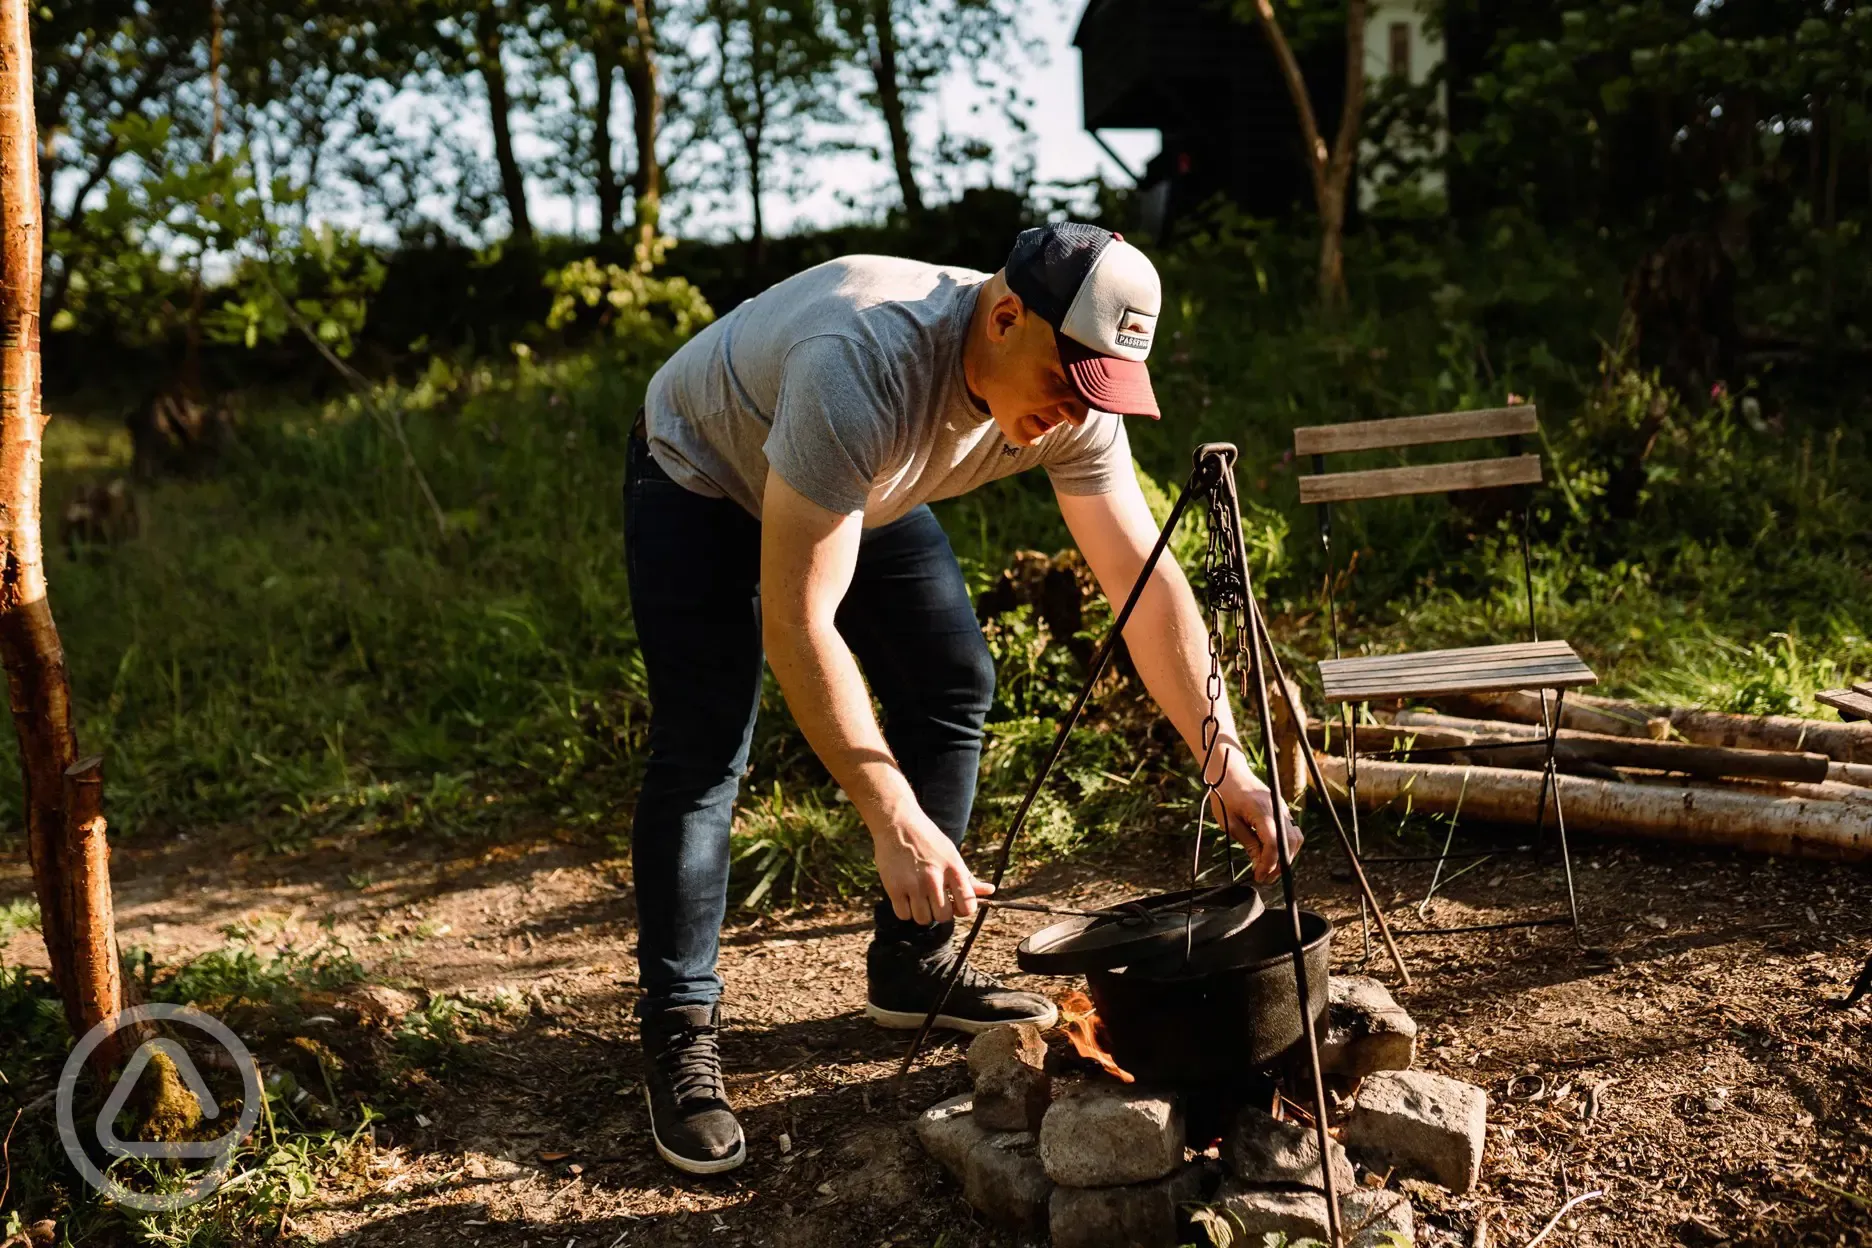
column 1316, row 154
column 1345, row 145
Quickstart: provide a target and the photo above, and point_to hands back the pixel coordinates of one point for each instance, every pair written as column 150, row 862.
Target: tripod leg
column 1100, row 661
column 1346, row 841
column 1259, row 645
column 1366, row 897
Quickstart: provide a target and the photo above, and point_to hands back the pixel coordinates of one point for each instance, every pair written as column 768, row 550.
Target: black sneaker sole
column 690, row 1165
column 898, row 1020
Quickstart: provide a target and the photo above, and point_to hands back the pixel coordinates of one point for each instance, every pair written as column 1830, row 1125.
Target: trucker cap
column 1102, row 298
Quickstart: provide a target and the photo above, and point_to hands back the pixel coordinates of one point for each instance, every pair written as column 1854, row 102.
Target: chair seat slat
column 1500, row 678
column 1468, row 474
column 1468, row 654
column 1534, row 665
column 1533, row 671
column 1850, row 703
column 1402, row 431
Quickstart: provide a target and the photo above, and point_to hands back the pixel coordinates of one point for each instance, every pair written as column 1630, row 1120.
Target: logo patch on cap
column 1135, row 329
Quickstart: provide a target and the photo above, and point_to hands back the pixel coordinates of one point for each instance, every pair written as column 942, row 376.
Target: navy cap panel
column 1049, row 263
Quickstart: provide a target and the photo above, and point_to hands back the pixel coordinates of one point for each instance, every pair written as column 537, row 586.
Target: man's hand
column 923, row 872
column 1245, row 808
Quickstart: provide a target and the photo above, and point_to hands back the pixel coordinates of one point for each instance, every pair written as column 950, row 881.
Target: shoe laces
column 691, row 1059
column 942, row 962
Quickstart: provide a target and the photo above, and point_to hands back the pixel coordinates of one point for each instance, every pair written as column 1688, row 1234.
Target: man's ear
column 1004, row 316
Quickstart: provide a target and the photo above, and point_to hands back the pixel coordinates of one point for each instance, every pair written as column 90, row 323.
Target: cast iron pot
column 1208, row 1025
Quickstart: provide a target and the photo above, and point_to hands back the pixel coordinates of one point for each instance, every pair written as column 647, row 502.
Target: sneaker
column 903, row 981
column 690, row 1121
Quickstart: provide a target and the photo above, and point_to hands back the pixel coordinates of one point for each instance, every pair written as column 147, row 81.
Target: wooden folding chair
column 1534, row 664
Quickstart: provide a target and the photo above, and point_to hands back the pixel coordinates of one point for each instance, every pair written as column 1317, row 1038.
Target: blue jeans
column 694, row 567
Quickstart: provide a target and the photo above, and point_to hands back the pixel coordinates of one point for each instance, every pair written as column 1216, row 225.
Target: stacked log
column 1772, row 784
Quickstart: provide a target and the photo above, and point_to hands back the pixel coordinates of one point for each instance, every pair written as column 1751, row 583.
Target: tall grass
column 295, row 637
column 293, row 644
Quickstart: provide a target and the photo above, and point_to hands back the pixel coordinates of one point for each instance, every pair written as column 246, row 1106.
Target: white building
column 1402, row 46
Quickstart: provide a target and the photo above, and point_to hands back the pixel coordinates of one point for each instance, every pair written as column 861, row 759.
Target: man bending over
column 778, row 507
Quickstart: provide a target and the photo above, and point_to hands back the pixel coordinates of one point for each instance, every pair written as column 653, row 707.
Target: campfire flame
column 1080, row 1020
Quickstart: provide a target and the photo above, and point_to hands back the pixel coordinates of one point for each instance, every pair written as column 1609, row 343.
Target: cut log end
column 1291, row 730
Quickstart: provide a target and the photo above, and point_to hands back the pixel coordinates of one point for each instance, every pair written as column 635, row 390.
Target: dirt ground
column 1685, row 1065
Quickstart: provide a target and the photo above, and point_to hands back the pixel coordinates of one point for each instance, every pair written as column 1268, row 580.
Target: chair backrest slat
column 1383, row 435
column 1468, row 474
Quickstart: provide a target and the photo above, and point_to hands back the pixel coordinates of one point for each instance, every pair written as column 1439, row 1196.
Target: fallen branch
column 1845, row 743
column 1462, row 725
column 1703, row 761
column 1565, row 1209
column 1842, row 742
column 1849, row 794
column 1288, row 747
column 1792, row 826
column 1578, row 711
column 1859, row 774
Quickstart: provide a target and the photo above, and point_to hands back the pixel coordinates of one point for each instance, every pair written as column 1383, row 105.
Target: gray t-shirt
column 847, row 380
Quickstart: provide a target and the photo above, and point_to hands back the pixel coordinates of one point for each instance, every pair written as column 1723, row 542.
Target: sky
column 1056, row 142
column 822, row 190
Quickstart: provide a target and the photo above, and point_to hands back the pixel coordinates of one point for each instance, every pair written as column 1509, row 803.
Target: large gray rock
column 1366, row 1030
column 1139, row 1215
column 1005, row 1182
column 1012, row 1088
column 1000, row 1171
column 1107, row 1135
column 1426, row 1126
column 949, row 1131
column 1263, row 1151
column 1254, row 1213
column 1367, row 1214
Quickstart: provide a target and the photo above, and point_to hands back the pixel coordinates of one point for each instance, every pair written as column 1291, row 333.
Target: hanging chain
column 1225, row 592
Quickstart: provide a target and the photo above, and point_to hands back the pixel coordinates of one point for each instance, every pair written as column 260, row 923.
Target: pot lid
column 1264, row 944
column 1154, row 925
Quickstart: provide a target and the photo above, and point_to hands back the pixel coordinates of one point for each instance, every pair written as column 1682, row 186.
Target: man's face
column 1025, row 384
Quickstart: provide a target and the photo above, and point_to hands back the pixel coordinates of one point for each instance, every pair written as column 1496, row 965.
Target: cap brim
column 1108, row 383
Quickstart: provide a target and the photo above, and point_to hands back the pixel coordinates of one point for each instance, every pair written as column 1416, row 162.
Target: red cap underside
column 1108, row 383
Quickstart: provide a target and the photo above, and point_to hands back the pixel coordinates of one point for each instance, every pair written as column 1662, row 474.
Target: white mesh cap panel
column 1116, row 310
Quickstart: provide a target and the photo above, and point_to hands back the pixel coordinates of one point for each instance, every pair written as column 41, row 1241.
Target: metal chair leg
column 1550, row 775
column 1350, row 720
column 1552, row 723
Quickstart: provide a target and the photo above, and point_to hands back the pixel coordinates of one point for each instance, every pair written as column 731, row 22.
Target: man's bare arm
column 1168, row 640
column 808, row 555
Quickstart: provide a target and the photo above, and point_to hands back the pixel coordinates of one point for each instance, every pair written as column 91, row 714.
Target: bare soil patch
column 1686, row 1063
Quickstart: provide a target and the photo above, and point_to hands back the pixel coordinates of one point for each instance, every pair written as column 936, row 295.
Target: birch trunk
column 1578, row 711
column 494, row 79
column 642, row 80
column 610, row 194
column 1329, row 168
column 1763, row 822
column 64, row 830
column 891, row 104
column 1843, row 743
